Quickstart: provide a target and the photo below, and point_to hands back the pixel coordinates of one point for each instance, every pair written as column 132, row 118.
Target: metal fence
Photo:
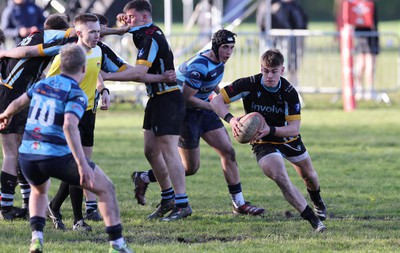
column 317, row 57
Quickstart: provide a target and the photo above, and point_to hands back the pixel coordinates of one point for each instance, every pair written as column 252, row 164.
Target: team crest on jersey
column 36, row 145
column 140, row 52
column 297, row 107
column 195, row 74
column 36, row 132
column 98, row 64
column 259, row 94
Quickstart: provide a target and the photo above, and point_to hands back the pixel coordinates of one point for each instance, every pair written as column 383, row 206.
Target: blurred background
column 312, row 51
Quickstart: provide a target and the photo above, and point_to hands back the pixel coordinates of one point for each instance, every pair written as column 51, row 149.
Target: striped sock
column 167, row 194
column 181, row 200
column 91, row 206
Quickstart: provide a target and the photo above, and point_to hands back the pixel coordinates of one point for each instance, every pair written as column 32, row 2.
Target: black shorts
column 62, row 167
column 195, row 124
column 367, row 45
column 293, row 151
column 86, row 128
column 164, row 113
column 17, row 124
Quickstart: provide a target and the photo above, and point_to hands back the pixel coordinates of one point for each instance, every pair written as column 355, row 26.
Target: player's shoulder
column 250, row 80
column 287, row 87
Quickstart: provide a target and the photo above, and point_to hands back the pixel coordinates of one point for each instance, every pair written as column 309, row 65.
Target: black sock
column 37, row 223
column 76, row 195
column 234, row 189
column 151, row 176
column 61, row 195
column 314, row 195
column 8, row 184
column 114, row 232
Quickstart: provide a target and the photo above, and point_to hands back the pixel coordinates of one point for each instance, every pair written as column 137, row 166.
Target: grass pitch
column 355, row 154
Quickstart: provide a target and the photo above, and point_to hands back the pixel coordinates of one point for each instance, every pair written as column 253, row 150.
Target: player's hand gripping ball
column 252, row 123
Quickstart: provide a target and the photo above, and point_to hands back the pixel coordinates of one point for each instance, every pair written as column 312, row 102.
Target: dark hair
column 85, row 17
column 138, row 5
column 272, row 58
column 2, row 37
column 221, row 37
column 56, row 22
column 102, row 19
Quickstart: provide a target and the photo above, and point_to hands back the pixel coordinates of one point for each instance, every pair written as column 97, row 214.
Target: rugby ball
column 251, row 124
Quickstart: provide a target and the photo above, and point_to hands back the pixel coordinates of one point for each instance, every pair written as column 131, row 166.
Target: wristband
column 228, row 117
column 105, row 89
column 272, row 131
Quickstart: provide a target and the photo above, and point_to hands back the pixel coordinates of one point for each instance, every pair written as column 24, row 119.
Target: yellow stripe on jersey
column 143, row 62
column 68, row 32
column 225, row 96
column 293, row 117
column 122, row 68
column 41, row 50
column 89, row 82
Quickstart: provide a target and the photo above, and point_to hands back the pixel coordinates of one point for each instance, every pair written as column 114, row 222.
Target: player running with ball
column 275, row 98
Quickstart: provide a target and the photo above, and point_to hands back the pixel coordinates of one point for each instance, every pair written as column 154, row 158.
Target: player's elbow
column 70, row 124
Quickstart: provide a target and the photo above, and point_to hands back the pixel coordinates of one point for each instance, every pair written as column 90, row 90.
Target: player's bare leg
column 10, row 144
column 220, row 141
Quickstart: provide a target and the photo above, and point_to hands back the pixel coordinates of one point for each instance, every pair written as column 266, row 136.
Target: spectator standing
column 286, row 14
column 20, row 18
column 367, row 48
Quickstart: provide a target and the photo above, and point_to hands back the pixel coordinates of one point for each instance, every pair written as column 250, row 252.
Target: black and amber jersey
column 18, row 74
column 278, row 105
column 111, row 61
column 154, row 52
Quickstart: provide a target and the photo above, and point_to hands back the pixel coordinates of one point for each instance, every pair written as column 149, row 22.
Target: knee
column 191, row 166
column 191, row 170
column 311, row 178
column 149, row 154
column 105, row 188
column 230, row 155
column 280, row 179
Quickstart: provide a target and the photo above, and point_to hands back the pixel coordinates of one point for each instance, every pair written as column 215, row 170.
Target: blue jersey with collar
column 51, row 98
column 202, row 74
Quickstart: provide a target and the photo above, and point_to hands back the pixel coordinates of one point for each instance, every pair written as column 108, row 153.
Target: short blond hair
column 73, row 58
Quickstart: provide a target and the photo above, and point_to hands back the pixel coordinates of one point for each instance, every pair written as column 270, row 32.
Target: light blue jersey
column 202, row 74
column 51, row 98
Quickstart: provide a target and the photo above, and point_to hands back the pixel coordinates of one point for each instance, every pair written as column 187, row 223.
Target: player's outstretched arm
column 139, row 73
column 20, row 52
column 114, row 31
